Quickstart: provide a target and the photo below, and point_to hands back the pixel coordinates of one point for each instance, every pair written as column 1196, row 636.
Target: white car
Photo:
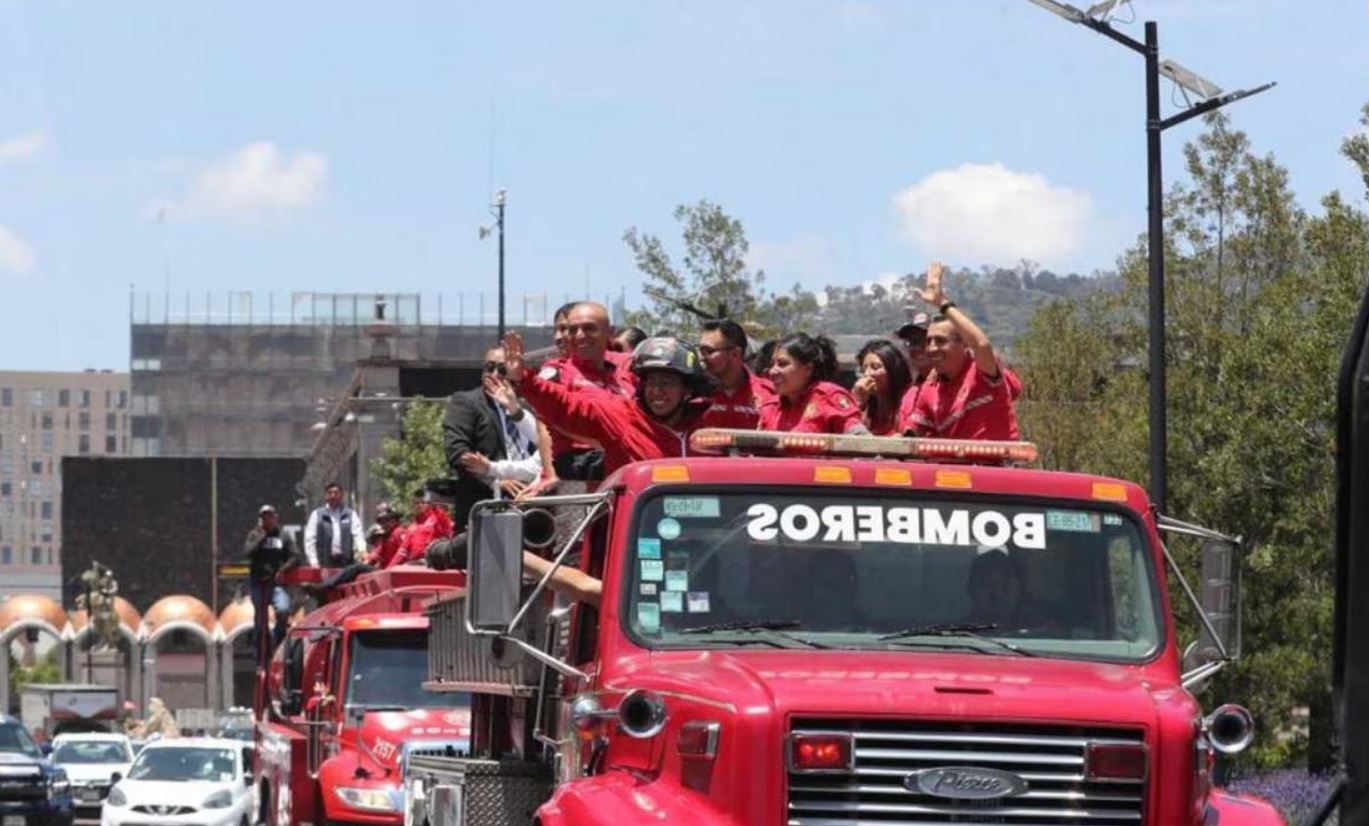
column 185, row 782
column 93, row 763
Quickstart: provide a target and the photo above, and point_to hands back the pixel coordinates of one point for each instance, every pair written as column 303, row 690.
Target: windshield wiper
column 957, row 629
column 772, row 628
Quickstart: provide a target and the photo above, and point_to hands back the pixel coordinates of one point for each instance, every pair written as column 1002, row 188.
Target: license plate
column 90, row 794
column 12, row 820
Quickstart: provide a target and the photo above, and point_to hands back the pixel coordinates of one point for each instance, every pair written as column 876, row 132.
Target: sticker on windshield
column 697, row 602
column 677, row 580
column 693, row 507
column 672, row 602
column 1077, row 521
column 899, row 525
column 648, row 548
column 668, row 528
column 1112, row 519
column 653, row 570
column 649, row 617
column 648, row 589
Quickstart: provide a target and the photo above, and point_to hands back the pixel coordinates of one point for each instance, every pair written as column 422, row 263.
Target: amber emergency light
column 718, row 441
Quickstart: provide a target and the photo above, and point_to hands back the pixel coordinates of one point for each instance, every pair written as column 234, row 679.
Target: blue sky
column 269, row 146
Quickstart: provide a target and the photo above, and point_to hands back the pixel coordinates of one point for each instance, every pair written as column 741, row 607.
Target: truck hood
column 18, row 764
column 385, row 733
column 82, row 773
column 925, row 684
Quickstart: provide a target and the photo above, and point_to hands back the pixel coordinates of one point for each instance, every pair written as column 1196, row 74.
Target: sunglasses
column 708, row 352
column 496, row 367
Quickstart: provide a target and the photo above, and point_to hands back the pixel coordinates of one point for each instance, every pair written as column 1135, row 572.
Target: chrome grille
column 1049, row 758
column 164, row 811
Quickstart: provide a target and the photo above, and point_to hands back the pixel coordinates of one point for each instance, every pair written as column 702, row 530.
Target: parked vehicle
column 344, row 706
column 33, row 791
column 93, row 762
column 198, row 780
column 58, row 708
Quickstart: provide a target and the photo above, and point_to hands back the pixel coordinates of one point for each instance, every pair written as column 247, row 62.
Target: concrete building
column 255, row 375
column 43, row 417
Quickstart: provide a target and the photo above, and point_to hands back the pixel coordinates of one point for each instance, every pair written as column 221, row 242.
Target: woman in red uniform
column 806, row 400
column 884, row 379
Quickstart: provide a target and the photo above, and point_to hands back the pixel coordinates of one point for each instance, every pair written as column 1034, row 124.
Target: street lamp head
column 1198, row 85
column 1064, row 10
column 501, row 197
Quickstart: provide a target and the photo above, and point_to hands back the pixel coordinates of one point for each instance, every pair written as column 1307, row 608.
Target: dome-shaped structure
column 236, row 618
column 179, row 611
column 30, row 610
column 129, row 617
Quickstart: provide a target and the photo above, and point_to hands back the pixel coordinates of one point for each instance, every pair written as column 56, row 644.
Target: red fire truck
column 832, row 630
column 341, row 707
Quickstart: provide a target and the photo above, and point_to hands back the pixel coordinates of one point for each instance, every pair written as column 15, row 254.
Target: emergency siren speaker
column 1230, row 729
column 539, row 528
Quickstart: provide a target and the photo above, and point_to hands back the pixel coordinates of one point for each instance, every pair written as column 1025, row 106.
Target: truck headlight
column 219, row 800
column 116, row 798
column 369, row 800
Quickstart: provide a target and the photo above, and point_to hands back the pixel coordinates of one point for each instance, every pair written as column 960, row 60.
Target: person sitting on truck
column 431, row 522
column 913, row 334
column 383, row 553
column 969, row 394
column 736, row 403
column 806, row 399
column 884, row 382
column 654, row 424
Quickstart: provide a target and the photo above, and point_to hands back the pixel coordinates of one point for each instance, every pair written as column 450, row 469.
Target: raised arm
column 975, row 339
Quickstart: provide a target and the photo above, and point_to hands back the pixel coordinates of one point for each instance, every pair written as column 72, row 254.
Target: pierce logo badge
column 965, row 783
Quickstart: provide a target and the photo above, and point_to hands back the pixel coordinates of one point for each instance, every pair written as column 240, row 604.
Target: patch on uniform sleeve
column 843, row 402
column 810, row 411
column 549, row 374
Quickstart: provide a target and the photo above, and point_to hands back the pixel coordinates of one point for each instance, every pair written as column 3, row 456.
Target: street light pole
column 500, row 199
column 1212, row 99
column 1155, row 208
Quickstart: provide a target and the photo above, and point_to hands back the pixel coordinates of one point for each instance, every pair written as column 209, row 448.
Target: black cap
column 916, row 326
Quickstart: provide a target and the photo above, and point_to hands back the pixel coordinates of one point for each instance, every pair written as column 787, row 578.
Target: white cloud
column 253, row 183
column 22, row 146
column 16, row 254
column 987, row 213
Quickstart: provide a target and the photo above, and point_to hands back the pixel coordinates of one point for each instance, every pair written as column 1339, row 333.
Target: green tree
column 1261, row 297
column 409, row 461
column 713, row 275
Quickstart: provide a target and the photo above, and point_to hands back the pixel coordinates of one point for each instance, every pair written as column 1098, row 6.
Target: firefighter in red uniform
column 588, row 365
column 806, row 400
column 969, row 394
column 431, row 523
column 737, row 401
column 655, row 424
column 391, row 537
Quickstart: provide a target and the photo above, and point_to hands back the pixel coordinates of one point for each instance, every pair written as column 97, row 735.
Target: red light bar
column 821, row 753
column 1115, row 762
column 719, row 441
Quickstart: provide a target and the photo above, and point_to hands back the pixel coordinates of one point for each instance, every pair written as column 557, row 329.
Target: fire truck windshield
column 387, row 671
column 828, row 569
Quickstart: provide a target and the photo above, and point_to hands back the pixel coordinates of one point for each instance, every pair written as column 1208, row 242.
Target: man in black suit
column 489, row 439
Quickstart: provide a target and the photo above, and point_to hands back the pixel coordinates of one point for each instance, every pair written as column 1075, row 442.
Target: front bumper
column 125, row 816
column 33, row 814
column 89, row 798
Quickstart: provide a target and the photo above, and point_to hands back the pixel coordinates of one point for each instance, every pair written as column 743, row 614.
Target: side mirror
column 115, row 778
column 1220, row 600
column 494, row 579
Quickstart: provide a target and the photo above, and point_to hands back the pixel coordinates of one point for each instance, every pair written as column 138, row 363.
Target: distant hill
column 1001, row 300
